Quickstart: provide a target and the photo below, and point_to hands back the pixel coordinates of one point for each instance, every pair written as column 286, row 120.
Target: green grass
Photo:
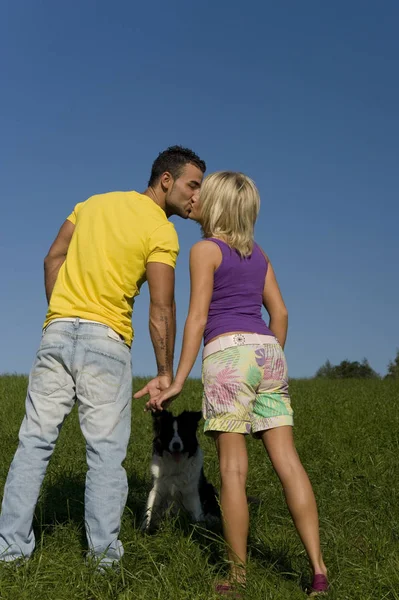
column 347, row 434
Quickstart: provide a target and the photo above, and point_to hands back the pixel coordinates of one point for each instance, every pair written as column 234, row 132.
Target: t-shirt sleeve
column 164, row 245
column 73, row 215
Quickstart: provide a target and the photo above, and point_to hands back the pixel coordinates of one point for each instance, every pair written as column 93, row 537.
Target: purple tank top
column 236, row 303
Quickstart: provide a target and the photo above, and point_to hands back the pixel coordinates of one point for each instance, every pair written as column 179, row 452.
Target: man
column 103, row 253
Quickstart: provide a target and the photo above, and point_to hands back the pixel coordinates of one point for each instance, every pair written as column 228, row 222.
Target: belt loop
column 76, row 323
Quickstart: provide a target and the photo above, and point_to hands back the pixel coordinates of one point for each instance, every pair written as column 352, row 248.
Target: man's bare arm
column 161, row 283
column 56, row 256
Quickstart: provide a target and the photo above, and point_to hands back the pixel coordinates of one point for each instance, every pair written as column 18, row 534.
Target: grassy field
column 347, row 434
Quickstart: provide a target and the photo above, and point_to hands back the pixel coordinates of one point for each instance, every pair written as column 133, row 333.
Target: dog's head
column 176, row 435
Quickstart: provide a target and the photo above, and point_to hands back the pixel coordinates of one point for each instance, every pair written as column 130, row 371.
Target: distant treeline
column 357, row 370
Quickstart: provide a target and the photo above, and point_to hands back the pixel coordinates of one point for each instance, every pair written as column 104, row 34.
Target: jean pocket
column 101, row 377
column 48, row 374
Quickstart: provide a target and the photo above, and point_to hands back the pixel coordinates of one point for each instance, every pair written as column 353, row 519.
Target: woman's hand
column 162, row 401
column 156, row 386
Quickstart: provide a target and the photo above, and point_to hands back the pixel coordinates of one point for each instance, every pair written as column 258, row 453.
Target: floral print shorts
column 246, row 389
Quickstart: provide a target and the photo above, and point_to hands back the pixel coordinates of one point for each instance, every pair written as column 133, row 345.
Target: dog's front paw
column 144, row 527
column 198, row 517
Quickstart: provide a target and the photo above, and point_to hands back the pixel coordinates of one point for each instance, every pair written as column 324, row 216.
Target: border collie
column 177, row 471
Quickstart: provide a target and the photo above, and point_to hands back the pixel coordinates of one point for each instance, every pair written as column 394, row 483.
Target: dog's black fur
column 177, row 469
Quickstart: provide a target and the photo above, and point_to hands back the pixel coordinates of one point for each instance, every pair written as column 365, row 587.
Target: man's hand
column 154, row 387
column 163, row 399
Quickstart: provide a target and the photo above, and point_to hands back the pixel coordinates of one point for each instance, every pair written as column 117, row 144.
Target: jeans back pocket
column 100, row 377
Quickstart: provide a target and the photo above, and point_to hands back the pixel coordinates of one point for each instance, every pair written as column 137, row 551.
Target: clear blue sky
column 301, row 96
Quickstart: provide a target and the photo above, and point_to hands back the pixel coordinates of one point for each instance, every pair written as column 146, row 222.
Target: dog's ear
column 159, row 414
column 158, row 418
column 155, row 422
column 193, row 415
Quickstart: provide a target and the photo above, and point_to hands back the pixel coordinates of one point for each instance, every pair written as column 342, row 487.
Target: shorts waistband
column 111, row 332
column 237, row 339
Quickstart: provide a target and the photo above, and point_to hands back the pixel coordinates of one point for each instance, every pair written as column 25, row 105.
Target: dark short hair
column 173, row 160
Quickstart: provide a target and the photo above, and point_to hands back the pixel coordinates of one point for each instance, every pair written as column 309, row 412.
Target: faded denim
column 88, row 364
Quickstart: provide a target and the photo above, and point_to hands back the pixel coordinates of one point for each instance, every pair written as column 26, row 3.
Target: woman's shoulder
column 205, row 243
column 204, row 247
column 205, row 251
column 211, row 242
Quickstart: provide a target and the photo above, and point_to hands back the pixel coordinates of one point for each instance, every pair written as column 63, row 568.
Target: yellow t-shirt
column 115, row 236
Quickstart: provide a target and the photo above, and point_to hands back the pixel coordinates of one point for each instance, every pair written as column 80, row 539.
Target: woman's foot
column 230, row 590
column 319, row 585
column 234, row 586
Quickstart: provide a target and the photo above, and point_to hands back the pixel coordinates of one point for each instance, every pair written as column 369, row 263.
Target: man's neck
column 157, row 195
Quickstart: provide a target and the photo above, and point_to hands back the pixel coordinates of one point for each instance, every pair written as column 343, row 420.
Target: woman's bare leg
column 233, row 461
column 279, row 443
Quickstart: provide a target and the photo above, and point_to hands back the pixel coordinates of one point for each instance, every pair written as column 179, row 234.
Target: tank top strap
column 225, row 248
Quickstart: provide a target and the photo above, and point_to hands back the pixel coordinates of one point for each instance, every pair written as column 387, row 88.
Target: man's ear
column 166, row 181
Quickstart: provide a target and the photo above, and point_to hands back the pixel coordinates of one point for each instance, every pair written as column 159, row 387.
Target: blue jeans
column 89, row 364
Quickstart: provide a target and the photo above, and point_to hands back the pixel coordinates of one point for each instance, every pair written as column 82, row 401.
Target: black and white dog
column 177, row 470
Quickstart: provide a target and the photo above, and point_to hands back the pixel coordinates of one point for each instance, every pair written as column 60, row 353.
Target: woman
column 244, row 368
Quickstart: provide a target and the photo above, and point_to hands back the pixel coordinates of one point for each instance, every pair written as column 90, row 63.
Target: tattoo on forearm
column 164, row 345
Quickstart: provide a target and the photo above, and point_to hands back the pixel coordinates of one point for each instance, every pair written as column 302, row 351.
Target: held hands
column 165, row 398
column 160, row 398
column 154, row 387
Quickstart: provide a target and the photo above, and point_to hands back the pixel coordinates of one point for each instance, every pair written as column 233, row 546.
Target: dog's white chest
column 173, row 478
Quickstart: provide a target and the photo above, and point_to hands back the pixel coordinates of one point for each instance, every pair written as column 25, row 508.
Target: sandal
column 226, row 589
column 319, row 585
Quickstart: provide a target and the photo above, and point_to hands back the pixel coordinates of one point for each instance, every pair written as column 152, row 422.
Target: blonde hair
column 230, row 204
